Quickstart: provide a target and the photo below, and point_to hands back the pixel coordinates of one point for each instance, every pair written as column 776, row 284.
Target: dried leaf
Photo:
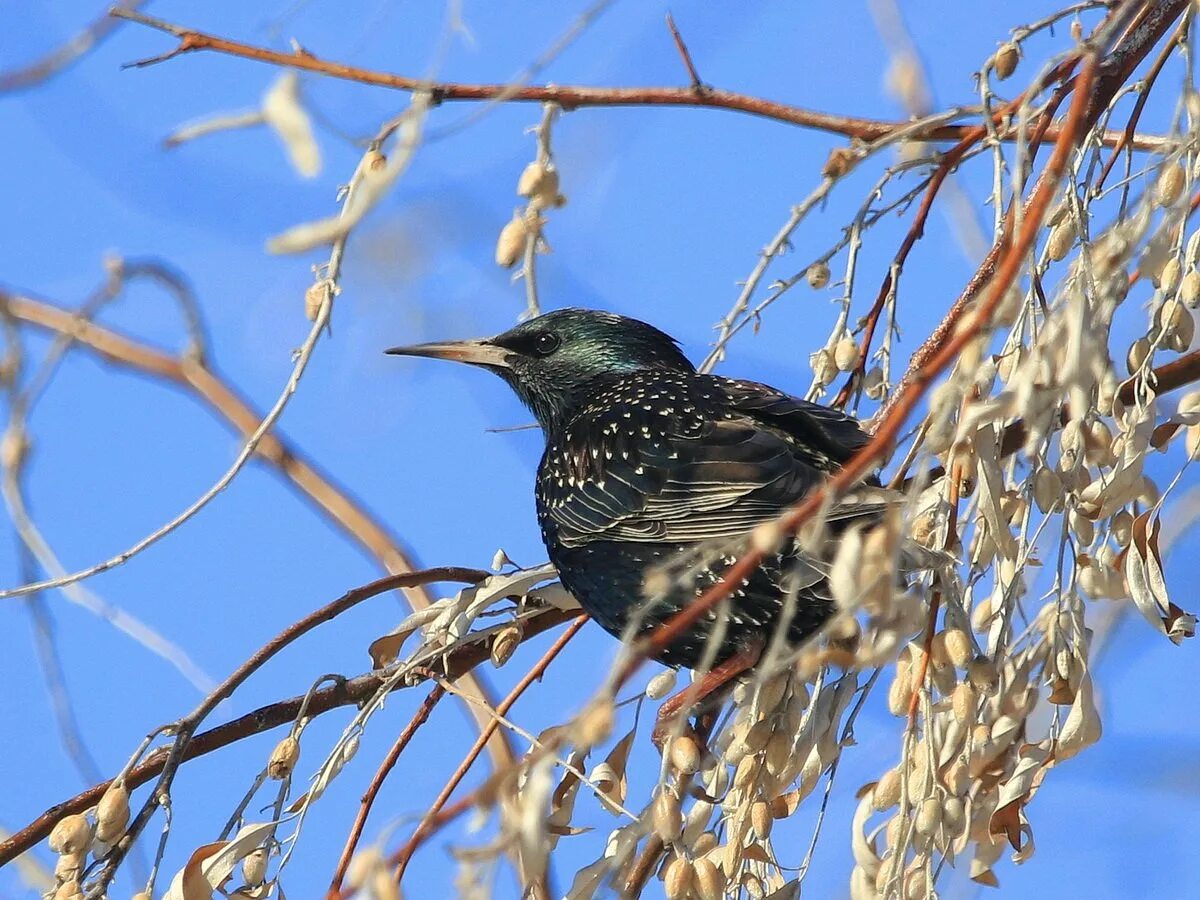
column 1082, row 727
column 210, row 866
column 286, row 116
column 1147, row 584
column 1009, row 817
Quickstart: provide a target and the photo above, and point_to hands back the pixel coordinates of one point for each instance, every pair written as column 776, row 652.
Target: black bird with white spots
column 648, row 461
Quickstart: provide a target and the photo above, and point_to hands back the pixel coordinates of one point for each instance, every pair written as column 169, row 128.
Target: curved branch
column 349, row 692
column 575, row 97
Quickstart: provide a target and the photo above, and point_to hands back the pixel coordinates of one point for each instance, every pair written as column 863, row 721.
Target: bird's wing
column 714, row 475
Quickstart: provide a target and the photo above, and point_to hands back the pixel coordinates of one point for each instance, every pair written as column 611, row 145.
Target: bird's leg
column 711, row 682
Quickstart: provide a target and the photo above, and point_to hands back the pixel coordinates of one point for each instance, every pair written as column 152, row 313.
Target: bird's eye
column 546, row 343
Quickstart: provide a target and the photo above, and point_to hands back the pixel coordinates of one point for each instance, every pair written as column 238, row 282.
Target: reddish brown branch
column 575, row 97
column 381, row 774
column 350, row 692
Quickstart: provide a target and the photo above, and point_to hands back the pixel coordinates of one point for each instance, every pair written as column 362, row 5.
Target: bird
column 647, row 462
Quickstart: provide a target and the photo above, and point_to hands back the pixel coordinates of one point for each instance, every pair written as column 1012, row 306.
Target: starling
column 648, row 461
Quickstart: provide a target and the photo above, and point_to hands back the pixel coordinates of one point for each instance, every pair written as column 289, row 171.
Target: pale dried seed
column 899, row 694
column 283, row 758
column 761, row 819
column 1170, row 185
column 667, row 816
column 1168, row 278
column 887, row 790
column 68, row 866
column 112, row 813
column 929, row 817
column 708, row 880
column 981, row 672
column 510, row 245
column 661, row 684
column 845, row 354
column 505, row 643
column 1189, row 289
column 817, row 275
column 254, row 866
column 1139, row 350
column 72, row 834
column 685, row 754
column 1061, row 240
column 964, row 701
column 1005, row 60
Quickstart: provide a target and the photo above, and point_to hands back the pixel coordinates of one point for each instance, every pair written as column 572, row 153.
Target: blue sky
column 667, row 210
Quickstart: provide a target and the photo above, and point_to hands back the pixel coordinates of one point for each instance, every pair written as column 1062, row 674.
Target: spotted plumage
column 648, row 462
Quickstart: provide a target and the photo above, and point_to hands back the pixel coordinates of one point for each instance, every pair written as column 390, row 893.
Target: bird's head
column 551, row 360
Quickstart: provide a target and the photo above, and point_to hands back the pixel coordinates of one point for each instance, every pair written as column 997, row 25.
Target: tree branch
column 575, row 97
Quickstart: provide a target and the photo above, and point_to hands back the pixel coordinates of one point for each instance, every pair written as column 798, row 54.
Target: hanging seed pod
column 1047, row 490
column 964, row 701
column 112, row 813
column 1061, row 240
column 708, row 880
column 68, row 866
column 823, row 366
column 982, row 674
column 254, row 867
column 677, row 879
column 596, row 723
column 1136, row 357
column 1170, row 185
column 661, row 684
column 959, row 649
column 761, row 819
column 1168, row 278
column 283, row 758
column 887, row 790
column 505, row 643
column 845, row 354
column 929, row 817
column 1082, row 527
column 666, row 816
column 1004, row 62
column 873, row 384
column 817, row 275
column 685, row 755
column 539, row 182
column 1178, row 326
column 69, row 890
column 900, row 693
column 510, row 246
column 72, row 834
column 1189, row 289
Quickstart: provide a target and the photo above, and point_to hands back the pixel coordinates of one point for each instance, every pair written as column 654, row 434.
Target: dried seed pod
column 887, row 790
column 761, row 819
column 1170, row 185
column 72, row 834
column 982, row 674
column 839, row 162
column 283, row 758
column 958, row 778
column 845, row 354
column 69, row 890
column 677, row 879
column 112, row 813
column 505, row 643
column 510, row 246
column 68, row 866
column 817, row 275
column 685, row 754
column 539, row 182
column 929, row 816
column 666, row 816
column 958, row 647
column 981, row 615
column 254, row 866
column 1178, row 326
column 1139, row 350
column 1191, row 442
column 746, row 772
column 1121, row 526
column 900, row 693
column 1047, row 490
column 1189, row 289
column 1004, row 62
column 964, row 701
column 1083, row 527
column 1061, row 240
column 778, row 753
column 873, row 384
column 708, row 880
column 661, row 684
column 1168, row 278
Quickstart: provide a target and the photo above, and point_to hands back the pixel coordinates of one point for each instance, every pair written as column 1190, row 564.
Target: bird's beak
column 477, row 353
